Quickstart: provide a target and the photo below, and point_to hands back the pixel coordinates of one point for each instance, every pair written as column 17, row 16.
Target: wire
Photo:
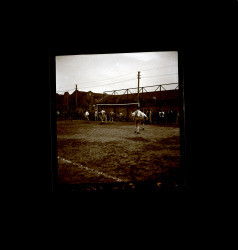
column 142, row 77
column 159, row 75
column 107, row 84
column 125, row 81
column 160, row 67
column 126, row 74
column 107, row 79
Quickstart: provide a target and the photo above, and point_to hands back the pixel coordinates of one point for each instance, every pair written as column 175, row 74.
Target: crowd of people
column 169, row 117
column 162, row 117
column 74, row 115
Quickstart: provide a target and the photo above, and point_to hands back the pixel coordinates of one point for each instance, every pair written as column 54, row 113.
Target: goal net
column 122, row 112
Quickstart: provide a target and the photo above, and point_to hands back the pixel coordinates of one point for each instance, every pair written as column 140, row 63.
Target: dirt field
column 93, row 153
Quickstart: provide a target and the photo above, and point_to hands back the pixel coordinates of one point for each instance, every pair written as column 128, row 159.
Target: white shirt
column 86, row 113
column 139, row 113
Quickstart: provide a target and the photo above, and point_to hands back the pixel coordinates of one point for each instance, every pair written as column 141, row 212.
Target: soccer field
column 94, row 153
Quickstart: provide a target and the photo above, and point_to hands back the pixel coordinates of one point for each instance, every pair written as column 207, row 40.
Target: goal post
column 124, row 108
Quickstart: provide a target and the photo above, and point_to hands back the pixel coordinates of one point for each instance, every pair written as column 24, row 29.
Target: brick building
column 77, row 101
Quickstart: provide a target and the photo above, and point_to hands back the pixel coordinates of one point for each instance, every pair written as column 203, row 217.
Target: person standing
column 150, row 116
column 177, row 118
column 103, row 117
column 163, row 119
column 96, row 115
column 111, row 115
column 139, row 116
column 86, row 117
column 120, row 116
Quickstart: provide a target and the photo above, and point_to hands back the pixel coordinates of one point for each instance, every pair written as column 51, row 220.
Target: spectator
column 86, row 116
column 177, row 118
column 96, row 115
column 148, row 115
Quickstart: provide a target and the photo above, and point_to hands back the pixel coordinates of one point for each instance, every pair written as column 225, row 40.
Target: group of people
column 102, row 116
column 138, row 116
column 158, row 117
column 161, row 116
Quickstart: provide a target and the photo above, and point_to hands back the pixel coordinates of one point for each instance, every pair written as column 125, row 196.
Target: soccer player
column 96, row 115
column 111, row 115
column 104, row 117
column 139, row 118
column 120, row 116
column 86, row 117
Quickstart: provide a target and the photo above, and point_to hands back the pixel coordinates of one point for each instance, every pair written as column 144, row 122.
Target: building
column 154, row 101
column 77, row 101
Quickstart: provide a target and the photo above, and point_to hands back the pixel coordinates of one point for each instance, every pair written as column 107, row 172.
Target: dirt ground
column 94, row 153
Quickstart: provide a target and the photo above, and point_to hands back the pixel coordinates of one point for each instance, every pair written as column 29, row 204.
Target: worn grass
column 116, row 150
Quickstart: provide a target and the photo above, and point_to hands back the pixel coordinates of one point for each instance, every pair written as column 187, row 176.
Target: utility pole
column 138, row 88
column 76, row 97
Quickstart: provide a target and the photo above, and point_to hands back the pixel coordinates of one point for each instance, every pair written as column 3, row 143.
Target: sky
column 107, row 72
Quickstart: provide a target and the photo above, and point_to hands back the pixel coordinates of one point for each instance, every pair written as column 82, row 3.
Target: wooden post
column 127, row 105
column 76, row 97
column 142, row 97
column 138, row 88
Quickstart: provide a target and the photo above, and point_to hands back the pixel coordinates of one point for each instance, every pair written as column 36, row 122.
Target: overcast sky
column 106, row 72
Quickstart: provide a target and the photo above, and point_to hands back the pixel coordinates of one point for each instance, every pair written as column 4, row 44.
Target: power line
column 107, row 78
column 126, row 74
column 100, row 85
column 160, row 75
column 108, row 84
column 118, row 81
column 160, row 67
